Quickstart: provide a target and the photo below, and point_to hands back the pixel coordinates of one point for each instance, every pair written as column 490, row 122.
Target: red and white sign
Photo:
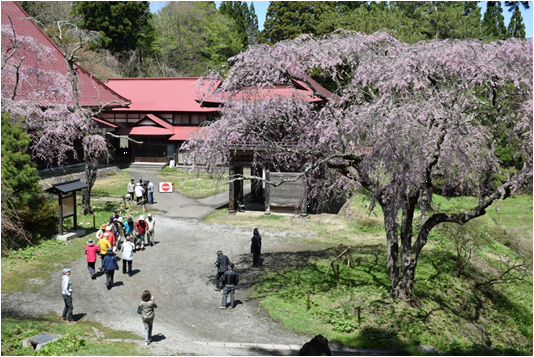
column 166, row 187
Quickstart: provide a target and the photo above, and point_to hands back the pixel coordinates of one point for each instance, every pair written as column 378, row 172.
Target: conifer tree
column 493, row 22
column 516, row 27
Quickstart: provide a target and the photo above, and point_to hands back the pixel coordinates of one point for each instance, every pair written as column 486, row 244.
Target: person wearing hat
column 230, row 279
column 141, row 226
column 66, row 292
column 101, row 231
column 104, row 245
column 129, row 227
column 131, row 189
column 114, row 216
column 255, row 247
column 110, row 265
column 150, row 189
column 91, row 250
column 145, row 192
column 222, row 263
column 151, row 222
column 111, row 236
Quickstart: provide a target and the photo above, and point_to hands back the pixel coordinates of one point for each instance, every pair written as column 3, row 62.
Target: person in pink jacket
column 141, row 226
column 91, row 250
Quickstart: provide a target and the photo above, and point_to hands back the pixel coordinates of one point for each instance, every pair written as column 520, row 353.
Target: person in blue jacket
column 110, row 265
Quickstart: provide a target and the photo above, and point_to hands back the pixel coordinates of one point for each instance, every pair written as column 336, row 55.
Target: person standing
column 150, row 188
column 111, row 236
column 101, row 231
column 114, row 216
column 66, row 292
column 148, row 304
column 127, row 255
column 131, row 189
column 104, row 245
column 230, row 280
column 139, row 192
column 129, row 227
column 110, row 265
column 221, row 263
column 255, row 248
column 151, row 222
column 91, row 250
column 141, row 226
column 145, row 191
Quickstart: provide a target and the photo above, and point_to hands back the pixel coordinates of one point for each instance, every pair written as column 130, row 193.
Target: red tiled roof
column 104, row 124
column 183, row 132
column 92, row 92
column 159, row 94
column 160, row 127
column 218, row 97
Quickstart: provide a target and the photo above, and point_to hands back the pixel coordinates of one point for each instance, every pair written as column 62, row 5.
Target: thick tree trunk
column 91, row 168
column 403, row 289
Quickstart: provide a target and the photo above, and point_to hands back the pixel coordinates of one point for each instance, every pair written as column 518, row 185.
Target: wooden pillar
column 267, row 193
column 236, row 189
column 60, row 214
column 304, row 201
column 256, row 186
column 75, row 211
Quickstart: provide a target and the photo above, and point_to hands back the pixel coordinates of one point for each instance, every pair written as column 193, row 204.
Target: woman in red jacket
column 91, row 250
column 141, row 226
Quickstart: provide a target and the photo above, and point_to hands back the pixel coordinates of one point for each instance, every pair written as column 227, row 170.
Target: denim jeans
column 148, row 329
column 151, row 197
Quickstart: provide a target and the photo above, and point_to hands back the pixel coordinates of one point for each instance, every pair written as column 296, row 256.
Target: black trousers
column 109, row 278
column 67, row 310
column 129, row 266
column 256, row 260
column 218, row 279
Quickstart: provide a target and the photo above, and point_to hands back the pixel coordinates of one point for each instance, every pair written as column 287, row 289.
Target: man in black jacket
column 230, row 279
column 222, row 264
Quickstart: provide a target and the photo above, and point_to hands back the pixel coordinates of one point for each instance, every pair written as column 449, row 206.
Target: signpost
column 165, row 187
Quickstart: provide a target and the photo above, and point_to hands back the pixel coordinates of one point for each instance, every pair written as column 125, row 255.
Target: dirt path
column 179, row 271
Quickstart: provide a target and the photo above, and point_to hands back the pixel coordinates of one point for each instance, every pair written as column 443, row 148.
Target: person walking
column 151, row 222
column 131, row 190
column 139, row 192
column 127, row 255
column 141, row 226
column 221, row 263
column 255, row 248
column 101, row 231
column 110, row 265
column 66, row 292
column 150, row 188
column 148, row 304
column 104, row 245
column 91, row 250
column 230, row 279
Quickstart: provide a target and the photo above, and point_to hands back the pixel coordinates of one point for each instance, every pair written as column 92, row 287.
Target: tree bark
column 91, row 168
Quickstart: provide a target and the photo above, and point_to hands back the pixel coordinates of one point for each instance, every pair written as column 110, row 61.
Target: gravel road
column 179, row 271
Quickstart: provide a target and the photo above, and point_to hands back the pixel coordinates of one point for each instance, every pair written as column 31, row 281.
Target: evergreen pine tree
column 516, row 27
column 493, row 22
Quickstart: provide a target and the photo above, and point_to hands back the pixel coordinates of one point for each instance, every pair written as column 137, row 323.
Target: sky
column 261, row 10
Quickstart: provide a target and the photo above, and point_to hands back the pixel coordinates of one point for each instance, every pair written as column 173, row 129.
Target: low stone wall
column 75, row 173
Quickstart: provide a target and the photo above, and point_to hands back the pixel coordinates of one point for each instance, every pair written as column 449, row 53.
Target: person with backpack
column 127, row 255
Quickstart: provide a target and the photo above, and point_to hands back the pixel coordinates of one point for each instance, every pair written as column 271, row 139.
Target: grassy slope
column 194, row 184
column 452, row 315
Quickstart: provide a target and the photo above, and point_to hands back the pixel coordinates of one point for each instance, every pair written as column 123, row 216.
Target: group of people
column 227, row 278
column 147, row 306
column 110, row 240
column 143, row 191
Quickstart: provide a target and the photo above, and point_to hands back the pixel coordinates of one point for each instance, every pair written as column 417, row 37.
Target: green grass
column 74, row 341
column 194, row 184
column 114, row 185
column 451, row 314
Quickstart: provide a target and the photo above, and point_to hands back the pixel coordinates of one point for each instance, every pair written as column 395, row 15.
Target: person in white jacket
column 150, row 231
column 66, row 292
column 139, row 191
column 127, row 255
